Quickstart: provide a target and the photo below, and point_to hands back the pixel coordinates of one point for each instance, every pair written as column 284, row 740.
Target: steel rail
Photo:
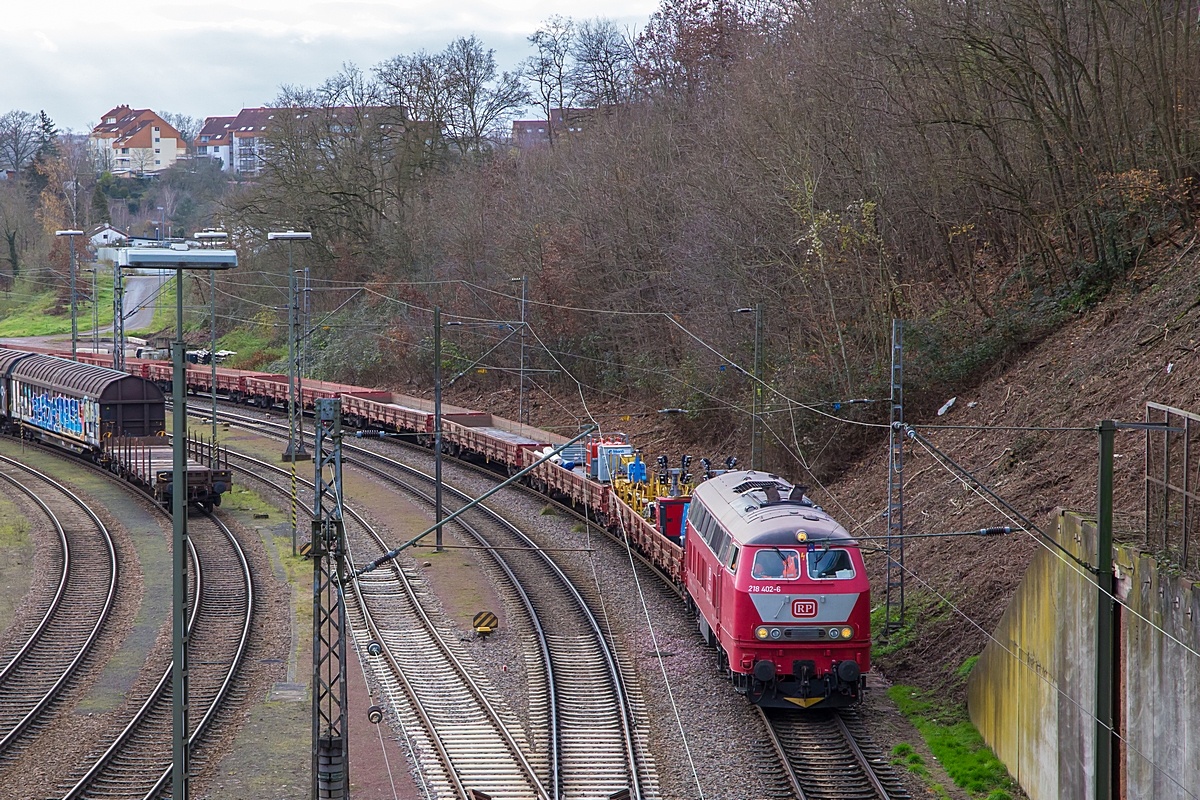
column 114, row 749
column 60, row 592
column 614, row 673
column 626, row 714
column 468, row 679
column 111, row 751
column 484, row 472
column 409, row 690
column 788, row 770
column 215, row 707
column 868, row 770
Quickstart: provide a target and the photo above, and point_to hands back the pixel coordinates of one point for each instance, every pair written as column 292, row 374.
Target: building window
column 124, row 151
column 156, row 150
column 202, row 149
column 156, row 140
column 156, row 161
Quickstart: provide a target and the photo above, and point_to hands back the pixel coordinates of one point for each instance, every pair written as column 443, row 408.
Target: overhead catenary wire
column 1009, row 652
column 641, row 594
column 1073, row 563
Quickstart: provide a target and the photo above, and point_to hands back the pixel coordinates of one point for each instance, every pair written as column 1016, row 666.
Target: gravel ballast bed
column 719, row 728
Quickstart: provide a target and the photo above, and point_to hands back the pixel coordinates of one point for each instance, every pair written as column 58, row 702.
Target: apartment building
column 132, row 141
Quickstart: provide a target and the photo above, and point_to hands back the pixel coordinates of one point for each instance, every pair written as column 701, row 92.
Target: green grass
column 255, row 345
column 921, row 610
column 36, row 313
column 954, row 742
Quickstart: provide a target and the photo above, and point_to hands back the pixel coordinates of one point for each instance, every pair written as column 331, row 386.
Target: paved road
column 139, row 313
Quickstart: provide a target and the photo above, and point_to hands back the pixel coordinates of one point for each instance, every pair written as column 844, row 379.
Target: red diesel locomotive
column 781, row 591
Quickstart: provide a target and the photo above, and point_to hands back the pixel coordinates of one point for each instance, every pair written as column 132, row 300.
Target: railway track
column 823, row 755
column 43, row 663
column 596, row 749
column 421, row 670
column 826, row 756
column 136, row 763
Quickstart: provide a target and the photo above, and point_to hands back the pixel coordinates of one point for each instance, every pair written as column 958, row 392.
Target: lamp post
column 756, row 448
column 180, row 261
column 162, row 223
column 212, row 236
column 295, row 449
column 74, row 324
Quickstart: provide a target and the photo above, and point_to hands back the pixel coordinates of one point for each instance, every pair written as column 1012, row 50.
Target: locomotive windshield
column 776, row 564
column 833, row 564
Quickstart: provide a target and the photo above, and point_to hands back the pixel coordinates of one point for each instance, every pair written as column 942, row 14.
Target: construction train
column 779, row 587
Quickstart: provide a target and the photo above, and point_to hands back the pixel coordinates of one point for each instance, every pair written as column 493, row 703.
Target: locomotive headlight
column 761, row 632
column 834, row 633
column 776, row 633
column 847, row 633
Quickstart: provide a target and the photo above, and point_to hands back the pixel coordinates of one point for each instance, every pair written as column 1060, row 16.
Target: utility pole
column 118, row 319
column 295, row 448
column 212, row 236
column 305, row 330
column 1105, row 740
column 894, row 613
column 756, row 405
column 71, row 234
column 437, row 423
column 522, row 408
column 95, row 311
column 330, row 740
column 756, row 433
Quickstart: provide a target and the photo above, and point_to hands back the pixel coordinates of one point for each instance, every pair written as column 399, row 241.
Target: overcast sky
column 78, row 58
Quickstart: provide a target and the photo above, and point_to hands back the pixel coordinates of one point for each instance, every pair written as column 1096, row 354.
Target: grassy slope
column 29, row 311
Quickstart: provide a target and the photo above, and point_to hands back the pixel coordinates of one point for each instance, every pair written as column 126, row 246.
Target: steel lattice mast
column 894, row 614
column 330, row 744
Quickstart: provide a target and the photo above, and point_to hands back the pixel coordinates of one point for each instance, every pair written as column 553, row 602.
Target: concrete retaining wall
column 1032, row 693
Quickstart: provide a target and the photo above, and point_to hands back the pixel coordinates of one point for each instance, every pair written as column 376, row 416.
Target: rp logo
column 804, row 608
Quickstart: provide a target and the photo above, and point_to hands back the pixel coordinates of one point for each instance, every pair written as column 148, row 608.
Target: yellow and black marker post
column 485, row 622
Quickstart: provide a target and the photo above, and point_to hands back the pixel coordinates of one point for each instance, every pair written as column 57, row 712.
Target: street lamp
column 162, row 224
column 295, row 448
column 756, row 447
column 211, row 236
column 74, row 325
column 178, row 260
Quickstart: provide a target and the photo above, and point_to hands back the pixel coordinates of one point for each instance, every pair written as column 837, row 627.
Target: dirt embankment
column 1139, row 345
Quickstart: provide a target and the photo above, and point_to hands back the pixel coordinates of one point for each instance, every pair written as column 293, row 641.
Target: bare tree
column 68, row 177
column 17, row 225
column 602, row 74
column 188, row 127
column 549, row 69
column 481, row 96
column 418, row 84
column 19, row 139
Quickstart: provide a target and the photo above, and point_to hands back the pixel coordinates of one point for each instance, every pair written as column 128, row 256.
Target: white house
column 106, row 236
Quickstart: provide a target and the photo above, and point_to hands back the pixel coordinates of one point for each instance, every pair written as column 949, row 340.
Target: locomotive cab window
column 830, row 565
column 775, row 564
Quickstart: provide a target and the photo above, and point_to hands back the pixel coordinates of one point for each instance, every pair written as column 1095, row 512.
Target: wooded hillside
column 981, row 169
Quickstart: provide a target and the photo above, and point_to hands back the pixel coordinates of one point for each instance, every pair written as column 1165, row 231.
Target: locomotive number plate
column 804, row 608
column 767, row 589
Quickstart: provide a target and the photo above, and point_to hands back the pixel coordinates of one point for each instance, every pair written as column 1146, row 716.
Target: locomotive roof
column 758, row 508
column 81, row 380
